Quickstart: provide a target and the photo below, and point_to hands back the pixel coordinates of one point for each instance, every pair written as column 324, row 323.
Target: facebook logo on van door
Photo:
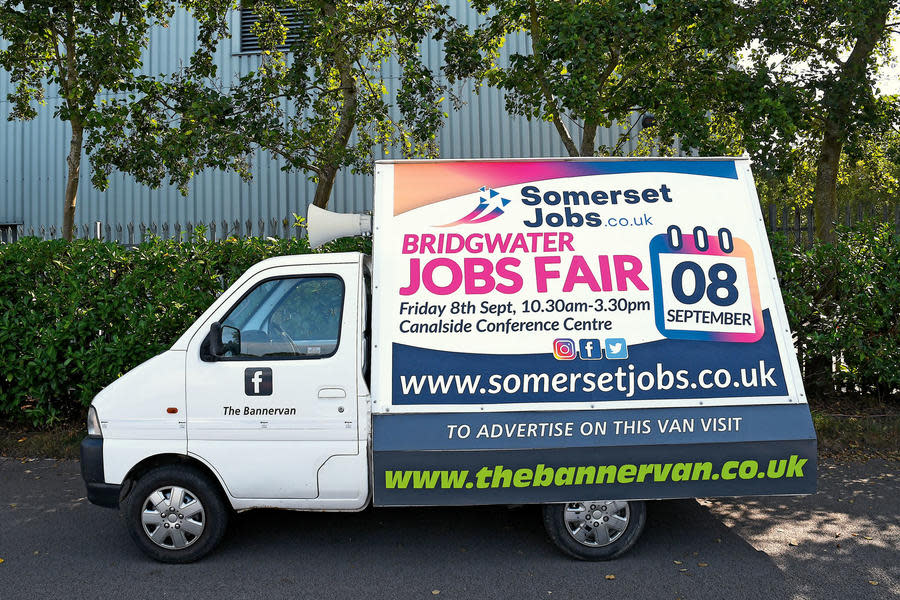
column 258, row 381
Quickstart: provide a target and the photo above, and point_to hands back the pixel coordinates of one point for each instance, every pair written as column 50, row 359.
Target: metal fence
column 130, row 234
column 797, row 224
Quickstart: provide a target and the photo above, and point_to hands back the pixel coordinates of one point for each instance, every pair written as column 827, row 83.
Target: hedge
column 74, row 316
column 842, row 302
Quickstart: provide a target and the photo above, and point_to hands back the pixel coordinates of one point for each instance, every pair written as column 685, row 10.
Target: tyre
column 595, row 529
column 175, row 514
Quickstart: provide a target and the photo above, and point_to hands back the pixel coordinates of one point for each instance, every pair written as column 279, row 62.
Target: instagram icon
column 564, row 349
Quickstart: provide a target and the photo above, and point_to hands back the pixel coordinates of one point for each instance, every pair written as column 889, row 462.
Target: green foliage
column 598, row 64
column 78, row 49
column 319, row 105
column 868, row 177
column 74, row 316
column 807, row 89
column 841, row 300
column 814, row 65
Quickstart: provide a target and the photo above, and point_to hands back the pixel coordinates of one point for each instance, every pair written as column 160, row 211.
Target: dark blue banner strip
column 591, row 428
column 615, row 473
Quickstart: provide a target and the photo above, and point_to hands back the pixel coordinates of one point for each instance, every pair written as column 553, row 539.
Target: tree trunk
column 587, row 139
column 825, row 191
column 74, row 175
column 549, row 100
column 343, row 131
column 324, row 185
column 818, row 375
column 328, row 172
column 838, row 119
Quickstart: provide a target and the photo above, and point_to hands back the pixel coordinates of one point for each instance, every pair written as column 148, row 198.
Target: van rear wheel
column 595, row 529
column 175, row 514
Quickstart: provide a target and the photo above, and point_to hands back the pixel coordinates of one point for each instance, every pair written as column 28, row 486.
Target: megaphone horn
column 322, row 225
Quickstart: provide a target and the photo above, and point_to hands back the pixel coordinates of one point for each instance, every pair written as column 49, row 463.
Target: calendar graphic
column 705, row 286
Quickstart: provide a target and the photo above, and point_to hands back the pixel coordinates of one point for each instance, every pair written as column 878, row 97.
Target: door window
column 290, row 317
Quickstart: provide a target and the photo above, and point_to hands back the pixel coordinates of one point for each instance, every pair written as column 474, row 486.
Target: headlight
column 93, row 423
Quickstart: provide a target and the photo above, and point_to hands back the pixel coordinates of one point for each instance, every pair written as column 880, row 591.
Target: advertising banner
column 610, row 309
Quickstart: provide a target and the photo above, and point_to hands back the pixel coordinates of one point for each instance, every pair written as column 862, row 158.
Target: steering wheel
column 281, row 332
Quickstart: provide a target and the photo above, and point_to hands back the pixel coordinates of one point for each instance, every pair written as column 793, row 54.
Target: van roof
column 308, row 259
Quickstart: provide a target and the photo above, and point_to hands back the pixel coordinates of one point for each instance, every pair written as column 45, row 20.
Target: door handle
column 332, row 392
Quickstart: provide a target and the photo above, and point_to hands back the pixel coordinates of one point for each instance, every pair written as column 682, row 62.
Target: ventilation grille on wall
column 295, row 24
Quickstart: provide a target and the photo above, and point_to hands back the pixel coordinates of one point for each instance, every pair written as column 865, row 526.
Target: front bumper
column 98, row 491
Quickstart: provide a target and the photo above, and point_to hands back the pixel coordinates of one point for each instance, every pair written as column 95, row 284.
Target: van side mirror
column 216, row 348
column 211, row 349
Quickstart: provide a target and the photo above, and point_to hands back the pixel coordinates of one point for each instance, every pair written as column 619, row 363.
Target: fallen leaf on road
column 702, row 564
column 610, row 577
column 22, row 439
column 1, row 560
column 873, row 582
column 677, row 562
column 855, row 534
column 867, row 537
column 718, row 540
column 793, row 543
column 682, row 570
column 435, row 592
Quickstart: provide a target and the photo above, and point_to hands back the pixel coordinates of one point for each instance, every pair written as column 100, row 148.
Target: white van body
column 323, row 447
column 317, row 381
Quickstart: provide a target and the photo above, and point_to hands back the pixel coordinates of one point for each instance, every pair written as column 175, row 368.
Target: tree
column 868, row 179
column 319, row 103
column 80, row 49
column 811, row 82
column 598, row 64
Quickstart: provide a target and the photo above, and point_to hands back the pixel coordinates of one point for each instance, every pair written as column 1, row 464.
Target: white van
column 583, row 334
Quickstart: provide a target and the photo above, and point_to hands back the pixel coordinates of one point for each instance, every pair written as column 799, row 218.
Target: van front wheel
column 595, row 529
column 175, row 514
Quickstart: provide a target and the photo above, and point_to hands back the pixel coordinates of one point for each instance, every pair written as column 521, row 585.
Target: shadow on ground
column 834, row 544
column 54, row 544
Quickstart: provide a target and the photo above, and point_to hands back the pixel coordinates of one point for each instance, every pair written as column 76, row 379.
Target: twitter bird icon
column 616, row 348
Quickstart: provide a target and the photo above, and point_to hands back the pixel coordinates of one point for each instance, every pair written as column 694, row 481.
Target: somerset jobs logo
column 490, row 206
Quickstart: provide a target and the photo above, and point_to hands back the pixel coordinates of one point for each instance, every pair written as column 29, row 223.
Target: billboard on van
column 557, row 328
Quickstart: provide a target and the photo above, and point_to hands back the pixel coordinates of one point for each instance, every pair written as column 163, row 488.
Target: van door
column 282, row 399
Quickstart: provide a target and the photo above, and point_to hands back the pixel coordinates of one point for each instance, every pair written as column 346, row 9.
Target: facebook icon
column 258, row 381
column 589, row 349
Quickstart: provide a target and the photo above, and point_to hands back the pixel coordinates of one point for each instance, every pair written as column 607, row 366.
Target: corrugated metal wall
column 33, row 168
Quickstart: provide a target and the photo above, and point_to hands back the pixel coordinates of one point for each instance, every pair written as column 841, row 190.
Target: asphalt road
column 54, row 544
